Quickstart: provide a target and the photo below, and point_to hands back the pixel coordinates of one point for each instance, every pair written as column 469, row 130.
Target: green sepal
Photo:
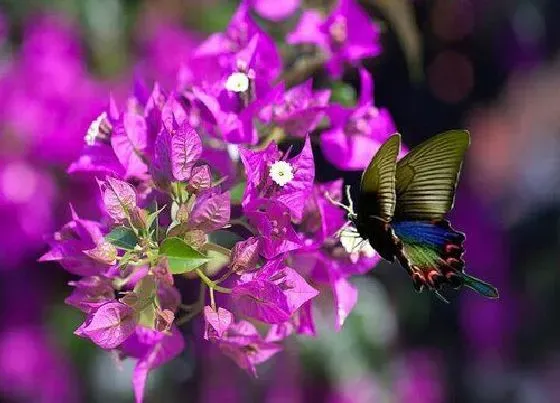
column 152, row 218
column 145, row 288
column 122, row 238
column 237, row 192
column 147, row 316
column 145, row 291
column 343, row 94
column 125, row 259
column 216, row 260
column 181, row 257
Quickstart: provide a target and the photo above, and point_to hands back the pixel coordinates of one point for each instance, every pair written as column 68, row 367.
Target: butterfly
column 402, row 206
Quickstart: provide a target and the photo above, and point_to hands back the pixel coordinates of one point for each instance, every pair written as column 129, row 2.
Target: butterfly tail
column 484, row 289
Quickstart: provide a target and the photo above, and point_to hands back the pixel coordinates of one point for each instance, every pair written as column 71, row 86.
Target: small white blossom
column 93, row 129
column 233, row 152
column 355, row 245
column 281, row 172
column 237, row 82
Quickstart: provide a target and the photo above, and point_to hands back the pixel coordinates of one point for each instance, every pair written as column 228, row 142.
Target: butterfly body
column 402, row 206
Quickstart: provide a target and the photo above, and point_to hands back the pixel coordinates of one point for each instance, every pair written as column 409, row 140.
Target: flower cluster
column 214, row 181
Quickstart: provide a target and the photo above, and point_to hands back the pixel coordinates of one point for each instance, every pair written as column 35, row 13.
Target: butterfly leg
column 349, row 197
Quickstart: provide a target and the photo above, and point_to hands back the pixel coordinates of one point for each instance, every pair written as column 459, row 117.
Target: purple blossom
column 356, row 133
column 240, row 31
column 244, row 255
column 119, row 198
column 26, row 210
column 211, row 212
column 260, row 183
column 272, row 220
column 299, row 110
column 201, row 179
column 238, row 92
column 69, row 244
column 272, row 294
column 243, row 344
column 129, row 140
column 90, row 293
column 217, row 322
column 186, row 148
column 346, row 35
column 274, row 10
column 110, row 325
column 152, row 349
column 262, row 300
column 322, row 219
column 58, row 103
column 33, row 368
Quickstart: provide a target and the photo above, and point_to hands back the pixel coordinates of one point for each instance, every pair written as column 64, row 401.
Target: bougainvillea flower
column 272, row 294
column 69, row 244
column 238, row 34
column 244, row 255
column 119, row 198
column 299, row 110
column 90, row 293
column 260, row 184
column 216, row 321
column 240, row 89
column 27, row 196
column 346, row 35
column 261, row 299
column 152, row 349
column 110, row 325
column 211, row 212
column 275, row 10
column 243, row 344
column 58, row 103
column 33, row 367
column 356, row 133
column 321, row 218
column 272, row 220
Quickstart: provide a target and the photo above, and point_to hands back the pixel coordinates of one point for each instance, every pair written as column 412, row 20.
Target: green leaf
column 145, row 288
column 343, row 93
column 181, row 257
column 216, row 260
column 237, row 192
column 152, row 218
column 147, row 316
column 123, row 238
column 123, row 261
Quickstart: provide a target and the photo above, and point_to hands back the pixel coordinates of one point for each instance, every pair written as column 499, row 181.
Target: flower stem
column 217, row 248
column 211, row 283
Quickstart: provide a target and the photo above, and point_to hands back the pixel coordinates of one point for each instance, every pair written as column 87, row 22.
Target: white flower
column 237, row 82
column 355, row 245
column 281, row 172
column 93, row 129
column 233, row 152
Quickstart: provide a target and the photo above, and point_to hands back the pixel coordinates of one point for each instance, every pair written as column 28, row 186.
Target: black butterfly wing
column 377, row 187
column 426, row 177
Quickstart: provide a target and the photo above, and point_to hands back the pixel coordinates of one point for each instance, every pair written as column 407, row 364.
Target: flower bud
column 196, row 238
column 244, row 255
column 164, row 320
column 200, row 180
column 104, row 253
